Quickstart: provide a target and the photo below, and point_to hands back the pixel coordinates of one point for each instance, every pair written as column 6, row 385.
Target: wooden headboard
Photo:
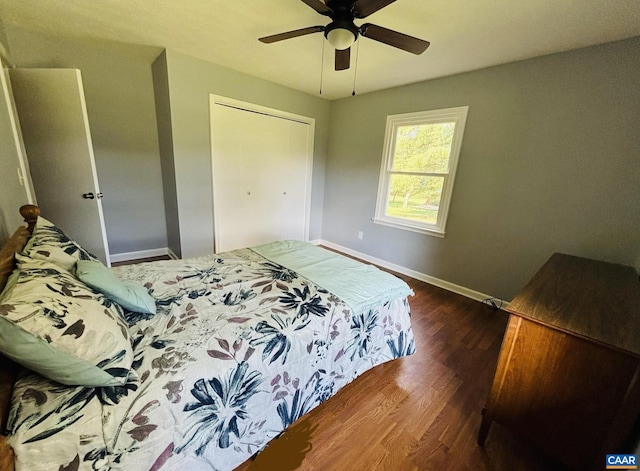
column 9, row 369
column 17, row 242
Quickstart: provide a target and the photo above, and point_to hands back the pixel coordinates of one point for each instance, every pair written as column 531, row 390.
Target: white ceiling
column 464, row 34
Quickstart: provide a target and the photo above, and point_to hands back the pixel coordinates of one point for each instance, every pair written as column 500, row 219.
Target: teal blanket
column 361, row 286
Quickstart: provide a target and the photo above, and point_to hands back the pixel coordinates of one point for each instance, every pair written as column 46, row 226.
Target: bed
column 231, row 350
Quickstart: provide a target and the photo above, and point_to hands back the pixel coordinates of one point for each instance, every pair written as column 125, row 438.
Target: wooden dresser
column 568, row 374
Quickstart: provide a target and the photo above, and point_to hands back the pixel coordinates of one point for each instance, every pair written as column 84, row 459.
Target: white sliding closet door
column 261, row 176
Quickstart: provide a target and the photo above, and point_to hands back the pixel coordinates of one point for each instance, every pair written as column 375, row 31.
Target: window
column 418, row 168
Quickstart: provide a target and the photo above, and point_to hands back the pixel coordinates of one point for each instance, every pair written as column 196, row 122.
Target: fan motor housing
column 339, row 4
column 342, row 20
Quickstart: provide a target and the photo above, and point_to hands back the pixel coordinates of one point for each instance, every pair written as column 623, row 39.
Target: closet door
column 55, row 129
column 261, row 177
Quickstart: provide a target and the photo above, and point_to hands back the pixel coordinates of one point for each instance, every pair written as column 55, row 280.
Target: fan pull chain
column 322, row 65
column 355, row 69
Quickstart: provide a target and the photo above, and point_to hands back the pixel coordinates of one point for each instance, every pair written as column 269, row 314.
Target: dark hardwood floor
column 417, row 413
column 141, row 260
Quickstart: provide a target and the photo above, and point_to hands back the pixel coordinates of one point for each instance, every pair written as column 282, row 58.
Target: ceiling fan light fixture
column 342, row 32
column 341, row 38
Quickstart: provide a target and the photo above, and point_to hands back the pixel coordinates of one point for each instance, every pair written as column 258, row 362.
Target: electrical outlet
column 360, row 235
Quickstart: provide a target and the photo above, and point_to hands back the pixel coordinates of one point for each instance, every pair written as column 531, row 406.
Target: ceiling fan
column 342, row 32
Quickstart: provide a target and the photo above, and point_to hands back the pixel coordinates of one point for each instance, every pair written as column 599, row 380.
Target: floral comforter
column 240, row 348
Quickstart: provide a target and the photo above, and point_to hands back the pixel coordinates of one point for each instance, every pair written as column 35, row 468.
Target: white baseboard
column 126, row 256
column 469, row 293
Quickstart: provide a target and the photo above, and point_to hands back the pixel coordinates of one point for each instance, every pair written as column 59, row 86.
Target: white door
column 261, row 176
column 55, row 129
column 16, row 187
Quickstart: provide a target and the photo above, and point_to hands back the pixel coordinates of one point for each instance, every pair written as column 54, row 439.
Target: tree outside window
column 418, row 168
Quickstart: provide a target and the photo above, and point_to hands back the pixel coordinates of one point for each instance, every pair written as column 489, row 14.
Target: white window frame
column 457, row 115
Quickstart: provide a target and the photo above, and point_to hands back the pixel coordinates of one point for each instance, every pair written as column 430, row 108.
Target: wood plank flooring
column 140, row 260
column 416, row 413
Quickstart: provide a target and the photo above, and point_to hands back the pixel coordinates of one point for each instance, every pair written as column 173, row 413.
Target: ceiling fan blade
column 394, row 38
column 343, row 59
column 364, row 8
column 291, row 34
column 318, row 6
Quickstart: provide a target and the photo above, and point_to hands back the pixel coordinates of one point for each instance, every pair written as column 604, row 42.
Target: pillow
column 51, row 244
column 55, row 325
column 129, row 294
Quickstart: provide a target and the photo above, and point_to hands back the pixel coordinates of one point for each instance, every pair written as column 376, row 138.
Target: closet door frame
column 252, row 107
column 23, row 170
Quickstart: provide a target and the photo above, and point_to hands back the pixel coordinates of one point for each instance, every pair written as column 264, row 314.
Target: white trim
column 391, row 222
column 127, row 256
column 172, row 254
column 457, row 115
column 92, row 161
column 17, row 136
column 469, row 293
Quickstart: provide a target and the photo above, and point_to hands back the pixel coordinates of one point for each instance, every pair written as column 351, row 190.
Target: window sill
column 409, row 227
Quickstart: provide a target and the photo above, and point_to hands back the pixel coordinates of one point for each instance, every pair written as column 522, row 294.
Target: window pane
column 423, row 148
column 415, row 198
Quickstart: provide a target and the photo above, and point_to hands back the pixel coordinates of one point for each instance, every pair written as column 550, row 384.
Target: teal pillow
column 129, row 294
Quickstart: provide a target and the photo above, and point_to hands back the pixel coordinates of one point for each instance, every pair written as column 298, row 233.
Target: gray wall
column 118, row 87
column 163, row 115
column 191, row 81
column 550, row 161
column 3, row 37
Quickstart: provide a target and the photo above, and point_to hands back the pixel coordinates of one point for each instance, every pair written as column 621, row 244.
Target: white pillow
column 51, row 244
column 53, row 324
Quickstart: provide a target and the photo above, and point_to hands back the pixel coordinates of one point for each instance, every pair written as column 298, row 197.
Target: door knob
column 100, row 195
column 88, row 196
